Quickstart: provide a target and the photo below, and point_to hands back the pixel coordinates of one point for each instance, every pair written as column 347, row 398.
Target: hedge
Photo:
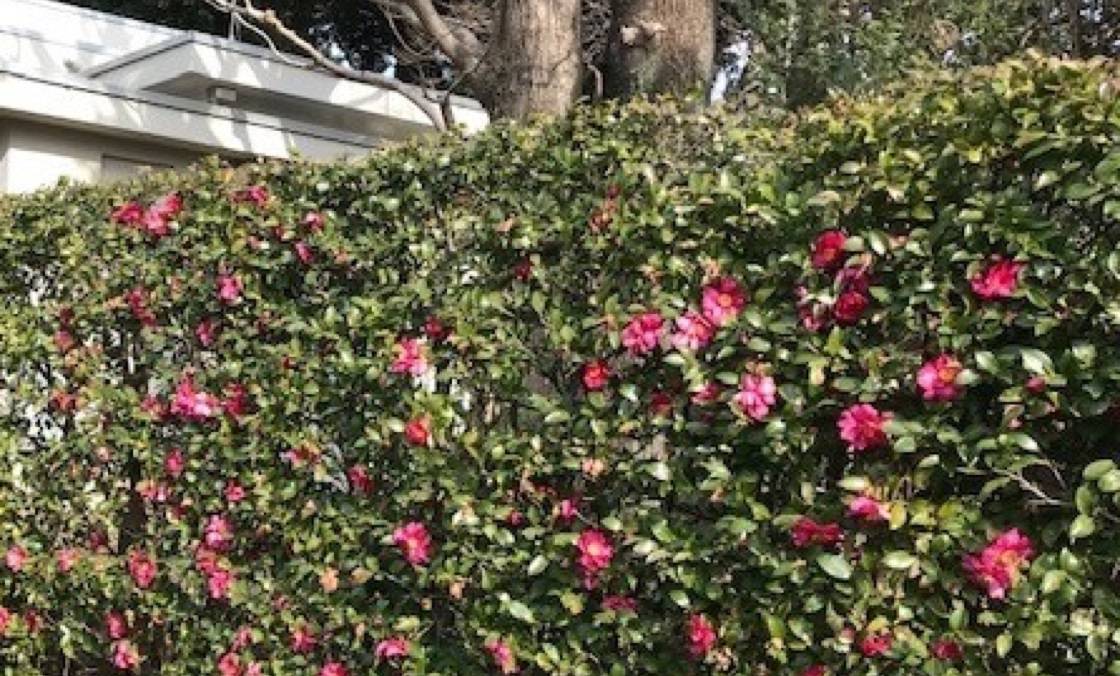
column 646, row 390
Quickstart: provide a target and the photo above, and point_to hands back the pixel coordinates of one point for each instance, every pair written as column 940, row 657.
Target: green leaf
column 835, row 565
column 520, row 611
column 1110, row 482
column 537, row 565
column 1082, row 526
column 899, row 560
column 1098, row 468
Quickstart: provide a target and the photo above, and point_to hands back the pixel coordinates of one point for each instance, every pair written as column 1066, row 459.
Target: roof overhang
column 191, row 65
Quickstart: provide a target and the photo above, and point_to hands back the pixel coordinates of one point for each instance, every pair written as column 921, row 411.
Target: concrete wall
column 37, row 155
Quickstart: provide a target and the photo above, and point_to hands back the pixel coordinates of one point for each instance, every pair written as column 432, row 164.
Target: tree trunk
column 661, row 46
column 535, row 64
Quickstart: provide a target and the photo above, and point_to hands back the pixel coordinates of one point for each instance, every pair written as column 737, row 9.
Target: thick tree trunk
column 535, row 64
column 661, row 46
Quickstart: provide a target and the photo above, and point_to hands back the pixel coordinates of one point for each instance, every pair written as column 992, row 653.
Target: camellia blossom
column 174, row 463
column 849, row 308
column 67, row 558
column 411, row 357
column 360, row 481
column 620, row 604
column 815, row 670
column 693, row 332
column 503, row 657
column 756, row 395
column 255, row 194
column 194, row 405
column 946, row 650
column 142, row 568
column 304, row 252
column 15, row 558
column 129, row 213
column 595, row 554
column 998, row 281
column 997, row 567
column 876, row 645
column 218, row 582
column 418, row 431
column 722, row 301
column 938, row 378
column 868, row 509
column 861, row 426
column 392, row 648
column 334, row 669
column 807, row 532
column 643, row 333
column 314, row 221
column 303, row 640
column 116, row 627
column 414, row 542
column 596, row 375
column 218, row 533
column 125, row 656
column 229, row 664
column 229, row 288
column 828, row 250
column 236, row 401
column 207, row 332
column 701, row 636
column 707, row 394
column 661, row 404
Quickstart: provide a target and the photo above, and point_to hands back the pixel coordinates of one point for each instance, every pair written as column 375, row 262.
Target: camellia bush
column 646, row 390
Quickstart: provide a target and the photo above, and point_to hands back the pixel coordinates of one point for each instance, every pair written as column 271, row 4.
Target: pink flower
column 410, row 357
column 596, row 375
column 815, row 670
column 243, row 638
column 5, row 620
column 643, row 333
column 392, row 648
column 63, row 341
column 708, row 394
column 807, row 532
column 304, row 252
column 947, row 650
column 414, row 542
column 876, row 645
column 998, row 566
column 142, row 568
column 660, row 404
column 314, row 221
column 255, row 194
column 303, row 639
column 137, row 300
column 938, row 378
column 861, row 426
column 723, row 300
column 620, row 604
column 418, row 432
column 360, row 481
column 756, row 395
column 855, row 278
column 868, row 509
column 701, row 636
column 334, row 669
column 568, row 509
column 828, row 250
column 814, row 316
column 218, row 533
column 693, row 333
column 67, row 558
column 174, row 463
column 116, row 627
column 125, row 656
column 234, row 491
column 595, row 554
column 999, row 280
column 129, row 213
column 229, row 288
column 193, row 405
column 229, row 664
column 1036, row 384
column 436, row 330
column 15, row 557
column 32, row 620
column 206, row 332
column 155, row 220
column 218, row 583
column 503, row 656
column 849, row 307
column 236, row 402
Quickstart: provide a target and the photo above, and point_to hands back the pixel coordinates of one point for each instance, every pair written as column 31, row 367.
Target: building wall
column 39, row 155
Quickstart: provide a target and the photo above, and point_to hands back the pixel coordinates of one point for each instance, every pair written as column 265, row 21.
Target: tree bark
column 534, row 65
column 661, row 46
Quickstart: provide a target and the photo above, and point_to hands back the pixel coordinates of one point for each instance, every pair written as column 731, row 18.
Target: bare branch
column 244, row 11
column 459, row 43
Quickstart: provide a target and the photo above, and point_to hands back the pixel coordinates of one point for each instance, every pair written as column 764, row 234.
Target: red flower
column 360, row 481
column 234, row 491
column 414, row 542
column 1036, row 385
column 938, row 378
column 63, row 341
column 334, row 669
column 620, row 604
column 701, row 636
column 15, row 558
column 523, row 271
column 174, row 463
column 418, row 431
column 193, row 405
column 660, row 404
column 155, row 220
column 436, row 330
column 693, row 333
column 32, row 620
column 254, row 194
column 142, row 568
column 708, row 394
column 999, row 280
column 137, row 300
column 229, row 664
column 998, row 566
column 125, row 656
column 303, row 639
column 5, row 620
column 807, row 532
column 756, row 395
column 129, row 213
column 304, row 252
column 503, row 656
column 722, row 301
column 568, row 509
column 849, row 307
column 229, row 288
column 947, row 650
column 861, row 426
column 868, row 509
column 828, row 250
column 595, row 554
column 643, row 333
column 876, row 645
column 218, row 583
column 596, row 374
column 815, row 670
column 116, row 627
column 392, row 648
column 411, row 358
column 206, row 332
column 218, row 533
column 236, row 402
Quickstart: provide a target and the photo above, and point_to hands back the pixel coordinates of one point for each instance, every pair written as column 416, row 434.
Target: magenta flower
column 643, row 333
column 392, row 648
column 862, row 426
column 693, row 332
column 756, row 395
column 723, row 300
column 999, row 280
column 938, row 378
column 868, row 509
column 997, row 567
column 411, row 357
column 414, row 542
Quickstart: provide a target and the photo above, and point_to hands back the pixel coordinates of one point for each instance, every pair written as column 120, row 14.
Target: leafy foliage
column 308, row 419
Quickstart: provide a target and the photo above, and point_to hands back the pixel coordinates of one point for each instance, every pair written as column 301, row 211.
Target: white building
column 95, row 97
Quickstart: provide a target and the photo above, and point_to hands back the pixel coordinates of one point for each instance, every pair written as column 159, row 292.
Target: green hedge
column 648, row 390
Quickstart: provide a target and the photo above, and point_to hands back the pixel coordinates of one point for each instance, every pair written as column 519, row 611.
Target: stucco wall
column 38, row 155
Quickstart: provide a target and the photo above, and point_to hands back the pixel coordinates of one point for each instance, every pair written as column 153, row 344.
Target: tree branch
column 460, row 44
column 245, row 10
